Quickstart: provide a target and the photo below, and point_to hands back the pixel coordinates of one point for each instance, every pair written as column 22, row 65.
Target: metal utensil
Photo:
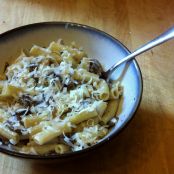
column 167, row 35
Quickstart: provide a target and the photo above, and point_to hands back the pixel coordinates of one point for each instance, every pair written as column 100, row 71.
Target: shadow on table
column 130, row 150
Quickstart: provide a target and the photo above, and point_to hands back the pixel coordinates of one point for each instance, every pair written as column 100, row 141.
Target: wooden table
column 146, row 146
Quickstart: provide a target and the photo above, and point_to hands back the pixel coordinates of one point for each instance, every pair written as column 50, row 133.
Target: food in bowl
column 53, row 101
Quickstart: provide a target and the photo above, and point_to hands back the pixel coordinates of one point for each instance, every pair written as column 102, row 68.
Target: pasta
column 13, row 137
column 53, row 100
column 45, row 149
column 110, row 111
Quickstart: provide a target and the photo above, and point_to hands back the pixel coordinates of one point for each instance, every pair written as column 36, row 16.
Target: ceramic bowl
column 97, row 44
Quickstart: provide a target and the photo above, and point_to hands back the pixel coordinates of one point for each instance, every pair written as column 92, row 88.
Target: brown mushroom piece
column 95, row 67
column 32, row 67
column 26, row 101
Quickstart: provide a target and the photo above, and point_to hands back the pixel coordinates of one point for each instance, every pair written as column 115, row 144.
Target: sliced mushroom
column 95, row 66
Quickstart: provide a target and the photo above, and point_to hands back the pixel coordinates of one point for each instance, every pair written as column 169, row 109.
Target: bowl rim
column 122, row 127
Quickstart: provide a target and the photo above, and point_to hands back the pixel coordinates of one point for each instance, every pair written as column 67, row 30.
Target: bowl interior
column 97, row 44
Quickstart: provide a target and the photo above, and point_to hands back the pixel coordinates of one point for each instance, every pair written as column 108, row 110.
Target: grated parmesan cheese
column 54, row 86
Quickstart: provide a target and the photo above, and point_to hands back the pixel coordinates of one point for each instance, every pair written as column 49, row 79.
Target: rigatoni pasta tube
column 37, row 51
column 102, row 92
column 7, row 133
column 110, row 111
column 34, row 130
column 55, row 47
column 10, row 90
column 77, row 55
column 45, row 135
column 44, row 149
column 115, row 91
column 41, row 150
column 87, row 123
column 95, row 110
column 61, row 148
column 38, row 128
column 83, row 115
column 50, row 132
column 31, row 121
column 85, row 76
column 100, row 107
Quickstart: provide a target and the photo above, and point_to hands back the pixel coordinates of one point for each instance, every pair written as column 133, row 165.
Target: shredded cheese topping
column 49, row 96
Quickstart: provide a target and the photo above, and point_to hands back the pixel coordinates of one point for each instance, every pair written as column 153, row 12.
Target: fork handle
column 167, row 35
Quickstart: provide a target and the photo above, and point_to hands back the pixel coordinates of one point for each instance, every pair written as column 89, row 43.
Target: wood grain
column 146, row 145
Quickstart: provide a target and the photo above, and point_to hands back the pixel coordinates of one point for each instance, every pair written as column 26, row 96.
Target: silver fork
column 167, row 35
